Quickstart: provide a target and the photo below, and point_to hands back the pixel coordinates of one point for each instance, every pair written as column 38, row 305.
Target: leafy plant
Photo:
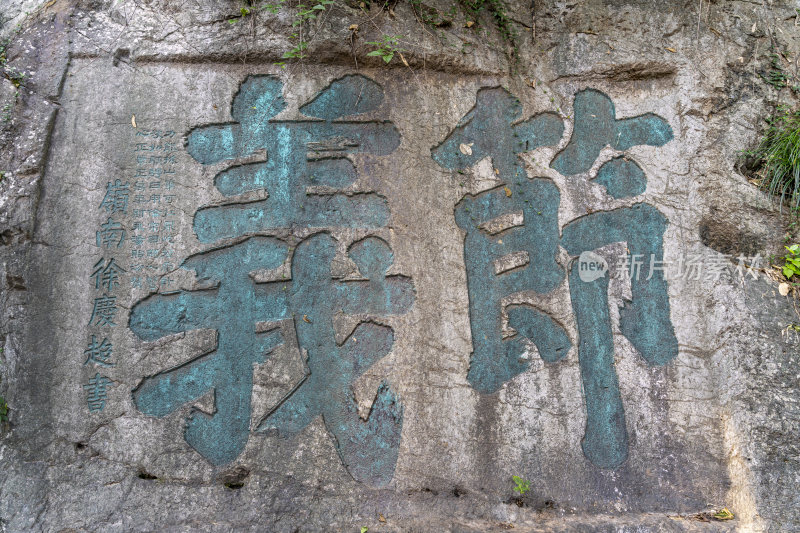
column 522, row 485
column 305, row 13
column 298, row 51
column 776, row 76
column 3, row 410
column 274, row 8
column 779, row 155
column 244, row 11
column 499, row 13
column 791, row 261
column 14, row 75
column 7, row 110
column 387, row 47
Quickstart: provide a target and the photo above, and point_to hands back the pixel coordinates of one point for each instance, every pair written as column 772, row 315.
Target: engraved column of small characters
column 153, row 200
column 105, row 277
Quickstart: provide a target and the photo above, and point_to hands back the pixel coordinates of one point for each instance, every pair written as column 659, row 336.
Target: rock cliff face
column 452, row 245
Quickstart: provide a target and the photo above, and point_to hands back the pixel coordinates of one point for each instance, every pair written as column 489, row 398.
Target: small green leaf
column 788, row 272
column 388, row 57
column 376, row 53
column 724, row 514
column 522, row 485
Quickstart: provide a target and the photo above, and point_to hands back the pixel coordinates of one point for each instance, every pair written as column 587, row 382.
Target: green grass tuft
column 778, row 156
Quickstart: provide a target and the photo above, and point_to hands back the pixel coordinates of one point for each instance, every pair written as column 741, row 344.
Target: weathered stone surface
column 318, row 341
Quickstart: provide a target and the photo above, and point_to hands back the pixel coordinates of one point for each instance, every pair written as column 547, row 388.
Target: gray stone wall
column 353, row 400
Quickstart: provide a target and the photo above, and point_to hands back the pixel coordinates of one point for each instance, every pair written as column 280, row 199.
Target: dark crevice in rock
column 637, row 71
column 15, row 283
column 519, row 502
column 729, row 239
column 121, row 54
column 234, row 479
column 144, row 474
column 13, row 236
column 446, row 64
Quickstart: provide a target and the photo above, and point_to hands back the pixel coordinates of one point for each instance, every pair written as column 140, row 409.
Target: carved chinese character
column 512, row 238
column 116, row 198
column 103, row 311
column 98, row 353
column 302, row 155
column 96, row 392
column 106, row 274
column 518, row 216
column 110, row 233
column 310, row 294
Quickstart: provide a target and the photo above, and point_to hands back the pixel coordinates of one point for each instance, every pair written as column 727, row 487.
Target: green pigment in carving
column 490, row 130
column 299, row 154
